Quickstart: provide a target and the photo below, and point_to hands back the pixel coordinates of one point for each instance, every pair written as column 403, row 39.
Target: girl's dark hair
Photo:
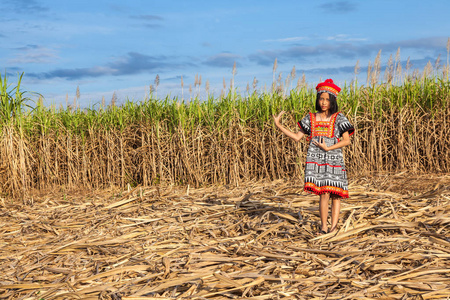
column 334, row 108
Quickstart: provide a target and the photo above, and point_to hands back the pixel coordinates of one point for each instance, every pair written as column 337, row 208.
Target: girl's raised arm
column 295, row 136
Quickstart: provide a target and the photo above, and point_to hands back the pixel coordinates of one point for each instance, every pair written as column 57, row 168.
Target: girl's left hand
column 321, row 145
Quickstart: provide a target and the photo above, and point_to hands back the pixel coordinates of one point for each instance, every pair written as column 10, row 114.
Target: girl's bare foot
column 333, row 229
column 322, row 231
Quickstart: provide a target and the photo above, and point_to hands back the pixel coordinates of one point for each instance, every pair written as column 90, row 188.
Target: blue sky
column 120, row 46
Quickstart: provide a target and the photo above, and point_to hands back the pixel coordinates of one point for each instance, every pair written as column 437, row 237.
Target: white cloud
column 222, row 60
column 337, row 38
column 345, row 38
column 34, row 55
column 290, row 39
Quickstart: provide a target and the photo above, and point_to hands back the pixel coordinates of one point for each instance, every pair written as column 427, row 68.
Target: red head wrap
column 329, row 87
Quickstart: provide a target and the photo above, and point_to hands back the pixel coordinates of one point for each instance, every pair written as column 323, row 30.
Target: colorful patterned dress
column 325, row 171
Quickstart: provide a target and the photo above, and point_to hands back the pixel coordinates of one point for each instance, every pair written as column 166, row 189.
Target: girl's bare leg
column 335, row 211
column 323, row 210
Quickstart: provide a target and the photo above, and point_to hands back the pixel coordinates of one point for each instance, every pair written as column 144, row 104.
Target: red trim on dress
column 318, row 190
column 330, row 124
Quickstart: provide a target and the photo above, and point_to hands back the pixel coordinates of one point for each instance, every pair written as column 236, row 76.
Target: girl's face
column 324, row 102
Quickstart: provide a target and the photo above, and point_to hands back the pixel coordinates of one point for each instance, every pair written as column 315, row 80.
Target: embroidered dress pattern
column 325, row 171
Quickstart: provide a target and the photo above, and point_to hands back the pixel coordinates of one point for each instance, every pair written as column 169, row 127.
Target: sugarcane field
column 206, row 198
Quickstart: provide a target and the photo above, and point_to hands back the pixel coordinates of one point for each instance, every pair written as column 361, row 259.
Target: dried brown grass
column 257, row 241
column 145, row 154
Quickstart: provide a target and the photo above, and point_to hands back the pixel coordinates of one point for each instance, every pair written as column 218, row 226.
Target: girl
column 329, row 131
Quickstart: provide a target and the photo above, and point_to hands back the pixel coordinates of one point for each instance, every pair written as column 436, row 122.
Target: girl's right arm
column 295, row 136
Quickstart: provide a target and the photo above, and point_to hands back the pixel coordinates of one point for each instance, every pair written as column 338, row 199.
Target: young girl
column 329, row 131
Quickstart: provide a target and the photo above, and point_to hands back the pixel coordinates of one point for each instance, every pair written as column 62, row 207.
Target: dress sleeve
column 343, row 125
column 305, row 124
